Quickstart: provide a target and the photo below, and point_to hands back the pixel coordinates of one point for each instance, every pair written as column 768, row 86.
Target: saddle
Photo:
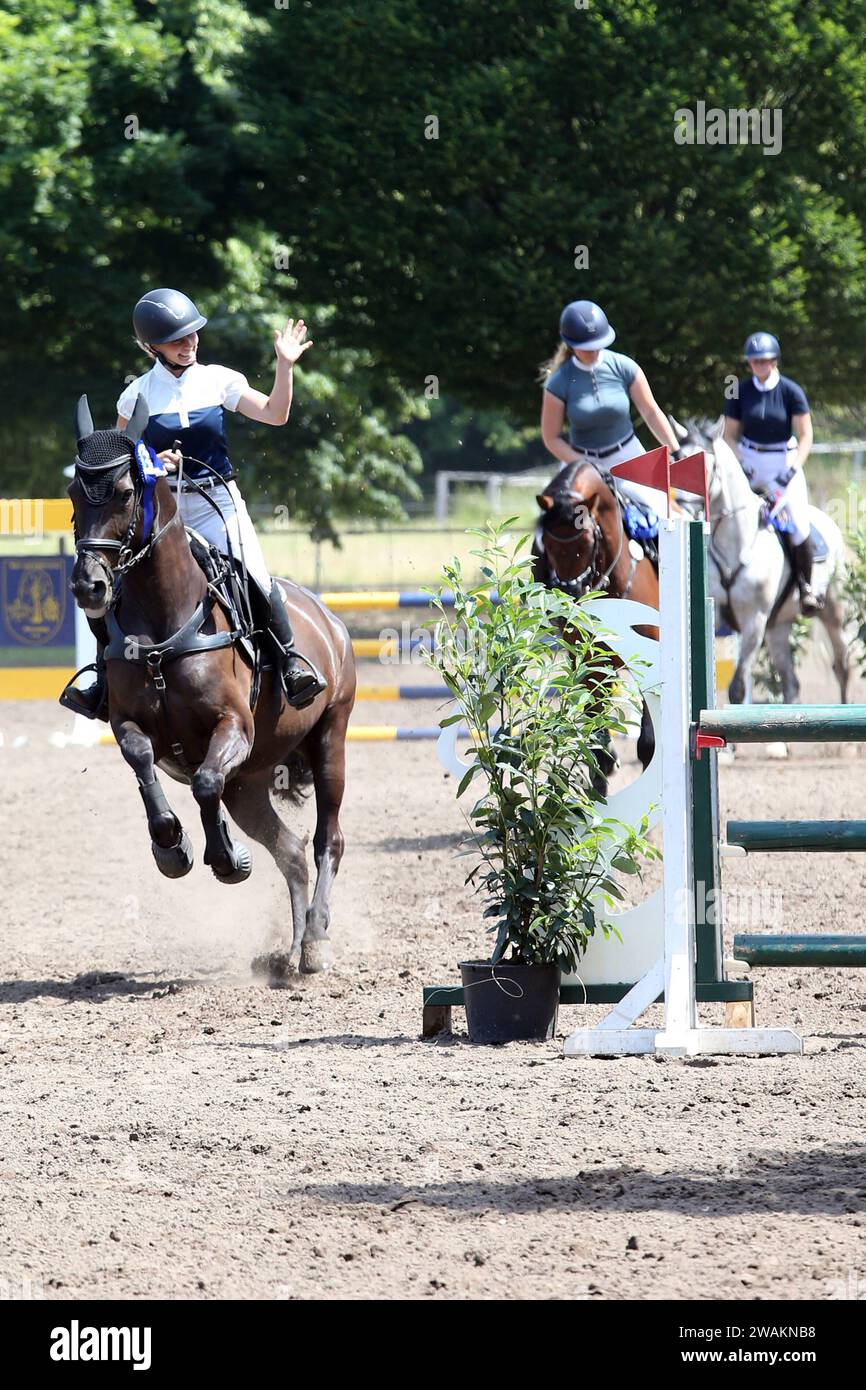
column 246, row 607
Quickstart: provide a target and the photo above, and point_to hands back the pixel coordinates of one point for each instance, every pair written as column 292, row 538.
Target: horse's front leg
column 229, row 747
column 646, row 742
column 168, row 839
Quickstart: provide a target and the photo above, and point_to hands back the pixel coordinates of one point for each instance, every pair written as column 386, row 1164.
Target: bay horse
column 182, row 694
column 580, row 545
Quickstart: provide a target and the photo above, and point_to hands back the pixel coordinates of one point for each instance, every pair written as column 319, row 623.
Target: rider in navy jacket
column 769, row 422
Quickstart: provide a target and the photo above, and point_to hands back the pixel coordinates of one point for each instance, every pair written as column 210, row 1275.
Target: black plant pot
column 510, row 1001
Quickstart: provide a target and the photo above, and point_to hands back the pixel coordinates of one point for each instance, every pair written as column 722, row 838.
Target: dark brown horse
column 180, row 688
column 580, row 545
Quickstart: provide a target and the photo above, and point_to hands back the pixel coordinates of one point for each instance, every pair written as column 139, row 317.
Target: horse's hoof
column 243, row 865
column 176, row 860
column 316, row 956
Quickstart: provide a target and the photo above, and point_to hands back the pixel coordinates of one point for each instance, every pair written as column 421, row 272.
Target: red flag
column 652, row 469
column 690, row 475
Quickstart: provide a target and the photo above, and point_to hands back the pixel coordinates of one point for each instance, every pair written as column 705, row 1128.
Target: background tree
column 119, row 153
column 435, row 165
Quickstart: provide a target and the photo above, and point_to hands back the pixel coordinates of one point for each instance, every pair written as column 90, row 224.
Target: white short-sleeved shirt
column 190, row 408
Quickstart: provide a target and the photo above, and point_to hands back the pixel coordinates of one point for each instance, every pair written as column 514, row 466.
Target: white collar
column 163, row 374
column 586, row 367
column 772, row 381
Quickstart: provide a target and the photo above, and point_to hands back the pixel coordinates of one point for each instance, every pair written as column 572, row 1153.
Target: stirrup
column 312, row 688
column 72, row 698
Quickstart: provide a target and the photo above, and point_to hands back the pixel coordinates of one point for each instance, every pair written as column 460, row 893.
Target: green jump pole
column 790, row 723
column 797, row 836
column 801, row 950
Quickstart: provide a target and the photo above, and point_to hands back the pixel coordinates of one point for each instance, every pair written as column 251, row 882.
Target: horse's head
column 705, row 434
column 106, row 493
column 570, row 537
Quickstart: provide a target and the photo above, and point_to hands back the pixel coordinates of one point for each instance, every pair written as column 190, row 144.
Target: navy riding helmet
column 163, row 316
column 583, row 325
column 762, row 346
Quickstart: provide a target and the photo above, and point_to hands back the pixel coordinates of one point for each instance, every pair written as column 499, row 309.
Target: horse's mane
column 561, row 489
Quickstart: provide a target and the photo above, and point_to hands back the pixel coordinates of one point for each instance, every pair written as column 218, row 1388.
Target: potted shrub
column 539, row 710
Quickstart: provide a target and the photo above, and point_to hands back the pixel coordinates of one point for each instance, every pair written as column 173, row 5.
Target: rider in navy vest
column 187, row 402
column 767, row 422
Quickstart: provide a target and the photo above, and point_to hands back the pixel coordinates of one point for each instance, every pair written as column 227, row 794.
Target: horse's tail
column 293, row 778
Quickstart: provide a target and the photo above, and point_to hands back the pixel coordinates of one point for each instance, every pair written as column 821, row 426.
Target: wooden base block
column 436, row 1020
column 740, row 1015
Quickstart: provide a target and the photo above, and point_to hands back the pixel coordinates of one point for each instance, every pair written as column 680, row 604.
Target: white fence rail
column 494, row 482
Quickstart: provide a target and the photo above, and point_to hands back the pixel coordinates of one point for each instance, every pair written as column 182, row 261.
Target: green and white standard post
column 690, row 837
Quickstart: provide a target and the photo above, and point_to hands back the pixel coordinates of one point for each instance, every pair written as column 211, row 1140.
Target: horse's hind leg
column 249, row 803
column 751, row 635
column 325, row 748
column 229, row 747
column 778, row 640
column 168, row 839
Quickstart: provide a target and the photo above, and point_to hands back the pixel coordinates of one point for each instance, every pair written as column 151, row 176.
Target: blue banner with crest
column 37, row 611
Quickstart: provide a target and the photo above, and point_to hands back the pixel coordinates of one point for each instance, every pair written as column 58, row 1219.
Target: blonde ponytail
column 562, row 354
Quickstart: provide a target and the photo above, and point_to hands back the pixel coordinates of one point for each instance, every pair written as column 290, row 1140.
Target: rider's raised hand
column 290, row 345
column 171, row 458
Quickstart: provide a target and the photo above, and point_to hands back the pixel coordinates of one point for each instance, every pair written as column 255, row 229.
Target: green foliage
column 854, row 590
column 556, row 130
column 306, row 128
column 540, row 711
column 92, row 218
column 343, row 452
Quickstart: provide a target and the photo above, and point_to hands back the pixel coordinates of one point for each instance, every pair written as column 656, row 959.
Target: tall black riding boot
column 803, row 557
column 301, row 681
column 92, row 702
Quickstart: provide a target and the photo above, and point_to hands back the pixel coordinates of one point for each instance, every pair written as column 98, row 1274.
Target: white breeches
column 200, row 515
column 763, row 471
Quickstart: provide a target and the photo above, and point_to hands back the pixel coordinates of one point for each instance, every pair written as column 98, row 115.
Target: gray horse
column 750, row 576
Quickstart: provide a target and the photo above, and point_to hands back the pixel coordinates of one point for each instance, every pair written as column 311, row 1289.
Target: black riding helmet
column 163, row 316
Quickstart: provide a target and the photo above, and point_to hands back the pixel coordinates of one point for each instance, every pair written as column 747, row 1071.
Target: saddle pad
column 819, row 545
column 820, row 549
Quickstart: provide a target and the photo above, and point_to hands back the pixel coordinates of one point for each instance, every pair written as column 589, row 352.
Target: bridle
column 590, row 577
column 127, row 558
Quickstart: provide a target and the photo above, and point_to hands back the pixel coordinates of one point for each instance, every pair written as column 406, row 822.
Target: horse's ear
column 545, row 501
column 679, row 430
column 137, row 422
column 83, row 421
